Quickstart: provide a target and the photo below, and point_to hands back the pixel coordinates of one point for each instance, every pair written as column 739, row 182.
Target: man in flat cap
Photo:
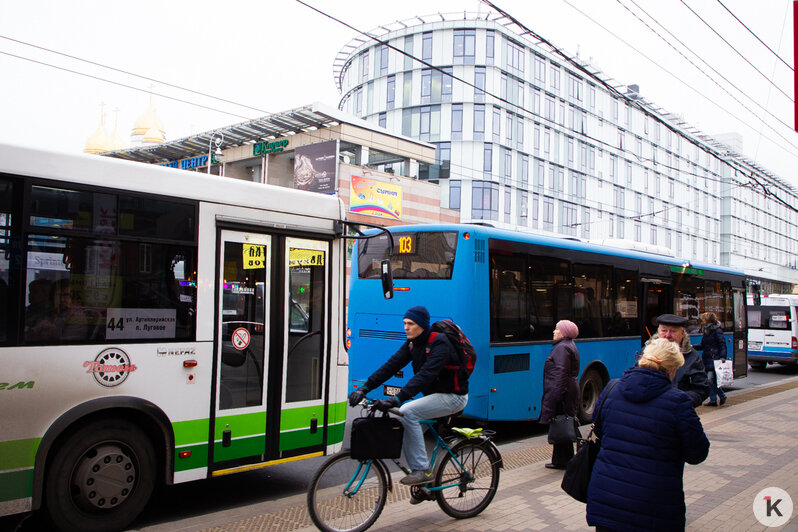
column 691, row 378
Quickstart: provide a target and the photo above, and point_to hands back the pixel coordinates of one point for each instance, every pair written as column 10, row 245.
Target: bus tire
column 589, row 389
column 100, row 478
column 757, row 364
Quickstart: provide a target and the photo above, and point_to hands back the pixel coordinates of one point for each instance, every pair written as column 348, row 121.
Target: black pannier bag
column 376, row 437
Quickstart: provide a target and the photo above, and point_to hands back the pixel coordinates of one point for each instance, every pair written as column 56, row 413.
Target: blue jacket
column 428, row 361
column 712, row 346
column 648, row 430
column 560, row 389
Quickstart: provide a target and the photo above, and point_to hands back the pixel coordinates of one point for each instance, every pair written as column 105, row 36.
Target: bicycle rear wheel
column 347, row 494
column 467, row 498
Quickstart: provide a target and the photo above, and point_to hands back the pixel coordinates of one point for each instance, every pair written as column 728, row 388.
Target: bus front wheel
column 590, row 388
column 100, row 478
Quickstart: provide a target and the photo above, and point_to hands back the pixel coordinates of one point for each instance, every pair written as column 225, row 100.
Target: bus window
column 417, row 255
column 508, row 298
column 625, row 321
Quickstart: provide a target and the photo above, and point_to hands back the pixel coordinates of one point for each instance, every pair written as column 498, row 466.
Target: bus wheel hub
column 104, row 478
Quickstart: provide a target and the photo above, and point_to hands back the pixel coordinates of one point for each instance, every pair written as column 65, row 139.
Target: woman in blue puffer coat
column 648, row 430
column 712, row 347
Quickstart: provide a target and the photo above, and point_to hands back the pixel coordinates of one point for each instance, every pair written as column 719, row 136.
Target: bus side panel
column 37, row 379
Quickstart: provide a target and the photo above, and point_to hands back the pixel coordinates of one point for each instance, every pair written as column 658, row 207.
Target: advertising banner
column 375, row 198
column 316, row 167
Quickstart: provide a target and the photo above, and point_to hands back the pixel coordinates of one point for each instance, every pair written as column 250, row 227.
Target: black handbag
column 562, row 429
column 376, row 437
column 580, row 467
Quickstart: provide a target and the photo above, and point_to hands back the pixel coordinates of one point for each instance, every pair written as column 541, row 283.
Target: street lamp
column 217, row 138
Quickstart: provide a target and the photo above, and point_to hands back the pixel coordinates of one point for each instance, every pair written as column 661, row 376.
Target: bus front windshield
column 416, row 255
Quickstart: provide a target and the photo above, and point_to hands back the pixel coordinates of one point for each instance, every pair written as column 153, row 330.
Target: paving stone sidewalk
column 753, row 446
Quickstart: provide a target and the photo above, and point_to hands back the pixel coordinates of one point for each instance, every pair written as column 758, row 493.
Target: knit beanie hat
column 568, row 329
column 419, row 315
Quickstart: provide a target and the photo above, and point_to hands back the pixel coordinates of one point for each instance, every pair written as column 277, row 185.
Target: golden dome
column 99, row 142
column 148, row 121
column 153, row 136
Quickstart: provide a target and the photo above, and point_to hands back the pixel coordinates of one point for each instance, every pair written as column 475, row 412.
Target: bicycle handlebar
column 369, row 404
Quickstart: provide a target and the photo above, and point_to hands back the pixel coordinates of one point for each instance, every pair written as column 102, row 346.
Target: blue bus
column 507, row 290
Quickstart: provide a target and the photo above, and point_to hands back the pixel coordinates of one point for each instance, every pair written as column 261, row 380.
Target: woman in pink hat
column 560, row 388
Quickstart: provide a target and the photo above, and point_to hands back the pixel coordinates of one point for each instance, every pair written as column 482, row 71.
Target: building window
column 536, row 140
column 444, row 80
column 523, row 170
column 409, row 51
column 507, row 203
column 550, row 109
column 489, row 47
column 479, row 122
column 508, row 165
column 487, row 160
column 426, row 46
column 479, row 84
column 638, row 232
column 383, row 60
column 464, row 44
column 620, row 202
column 364, row 66
column 519, row 133
column 575, row 88
column 653, row 235
column 454, row 193
column 613, row 167
column 391, row 94
column 569, row 148
column 535, row 203
column 523, row 208
column 515, row 58
column 407, row 89
column 540, row 71
column 426, row 85
column 670, row 188
column 484, row 200
column 585, row 223
column 554, row 78
column 358, row 101
column 497, row 124
column 539, row 172
column 548, row 214
column 568, row 219
column 381, row 121
column 629, row 172
column 457, row 121
column 508, row 130
column 621, row 227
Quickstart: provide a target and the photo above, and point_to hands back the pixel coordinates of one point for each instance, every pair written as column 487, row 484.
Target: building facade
column 531, row 139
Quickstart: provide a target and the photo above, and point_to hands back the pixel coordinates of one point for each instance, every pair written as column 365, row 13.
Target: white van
column 773, row 330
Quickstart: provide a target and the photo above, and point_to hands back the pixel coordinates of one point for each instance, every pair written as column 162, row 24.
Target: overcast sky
column 277, row 55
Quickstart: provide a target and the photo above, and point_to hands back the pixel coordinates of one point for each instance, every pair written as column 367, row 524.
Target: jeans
column 428, row 407
column 714, row 391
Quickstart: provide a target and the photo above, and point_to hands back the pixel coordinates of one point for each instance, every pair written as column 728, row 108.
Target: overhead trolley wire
column 756, row 36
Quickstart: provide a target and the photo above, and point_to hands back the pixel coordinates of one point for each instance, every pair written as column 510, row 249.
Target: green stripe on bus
column 242, row 448
column 299, row 418
column 198, row 458
column 299, row 439
column 191, row 431
column 15, row 454
column 16, row 485
column 335, row 433
column 241, row 425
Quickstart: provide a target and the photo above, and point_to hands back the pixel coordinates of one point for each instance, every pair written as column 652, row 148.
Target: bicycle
column 348, row 495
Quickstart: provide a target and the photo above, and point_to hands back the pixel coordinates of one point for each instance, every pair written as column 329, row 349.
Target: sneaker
column 713, row 403
column 419, row 495
column 419, row 476
column 723, row 400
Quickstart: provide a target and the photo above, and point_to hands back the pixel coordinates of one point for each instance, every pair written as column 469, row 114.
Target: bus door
column 303, row 418
column 244, row 289
column 656, row 300
column 739, row 350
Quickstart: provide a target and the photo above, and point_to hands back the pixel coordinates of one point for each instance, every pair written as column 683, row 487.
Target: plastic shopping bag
column 724, row 373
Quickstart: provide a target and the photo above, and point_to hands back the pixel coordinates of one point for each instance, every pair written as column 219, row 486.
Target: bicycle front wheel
column 472, row 486
column 347, row 494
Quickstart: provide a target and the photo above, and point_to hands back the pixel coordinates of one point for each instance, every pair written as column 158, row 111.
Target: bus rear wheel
column 590, row 389
column 757, row 364
column 100, row 478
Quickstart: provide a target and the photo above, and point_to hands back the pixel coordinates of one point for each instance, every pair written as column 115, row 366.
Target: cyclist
column 431, row 378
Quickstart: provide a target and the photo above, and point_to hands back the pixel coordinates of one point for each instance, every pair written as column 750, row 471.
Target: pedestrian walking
column 691, row 377
column 560, row 388
column 712, row 347
column 648, row 429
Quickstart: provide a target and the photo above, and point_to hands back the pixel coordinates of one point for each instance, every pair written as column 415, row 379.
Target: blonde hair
column 662, row 355
column 709, row 317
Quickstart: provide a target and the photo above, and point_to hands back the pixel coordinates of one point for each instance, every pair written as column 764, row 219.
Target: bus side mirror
column 387, row 279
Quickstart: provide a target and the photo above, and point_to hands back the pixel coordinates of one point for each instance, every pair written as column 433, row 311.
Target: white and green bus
column 159, row 326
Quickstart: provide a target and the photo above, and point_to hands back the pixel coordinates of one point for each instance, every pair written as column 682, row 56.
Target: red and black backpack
column 461, row 344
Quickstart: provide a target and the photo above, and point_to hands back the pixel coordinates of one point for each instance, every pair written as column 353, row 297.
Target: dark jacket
column 560, row 389
column 648, row 430
column 712, row 346
column 692, row 377
column 429, row 374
